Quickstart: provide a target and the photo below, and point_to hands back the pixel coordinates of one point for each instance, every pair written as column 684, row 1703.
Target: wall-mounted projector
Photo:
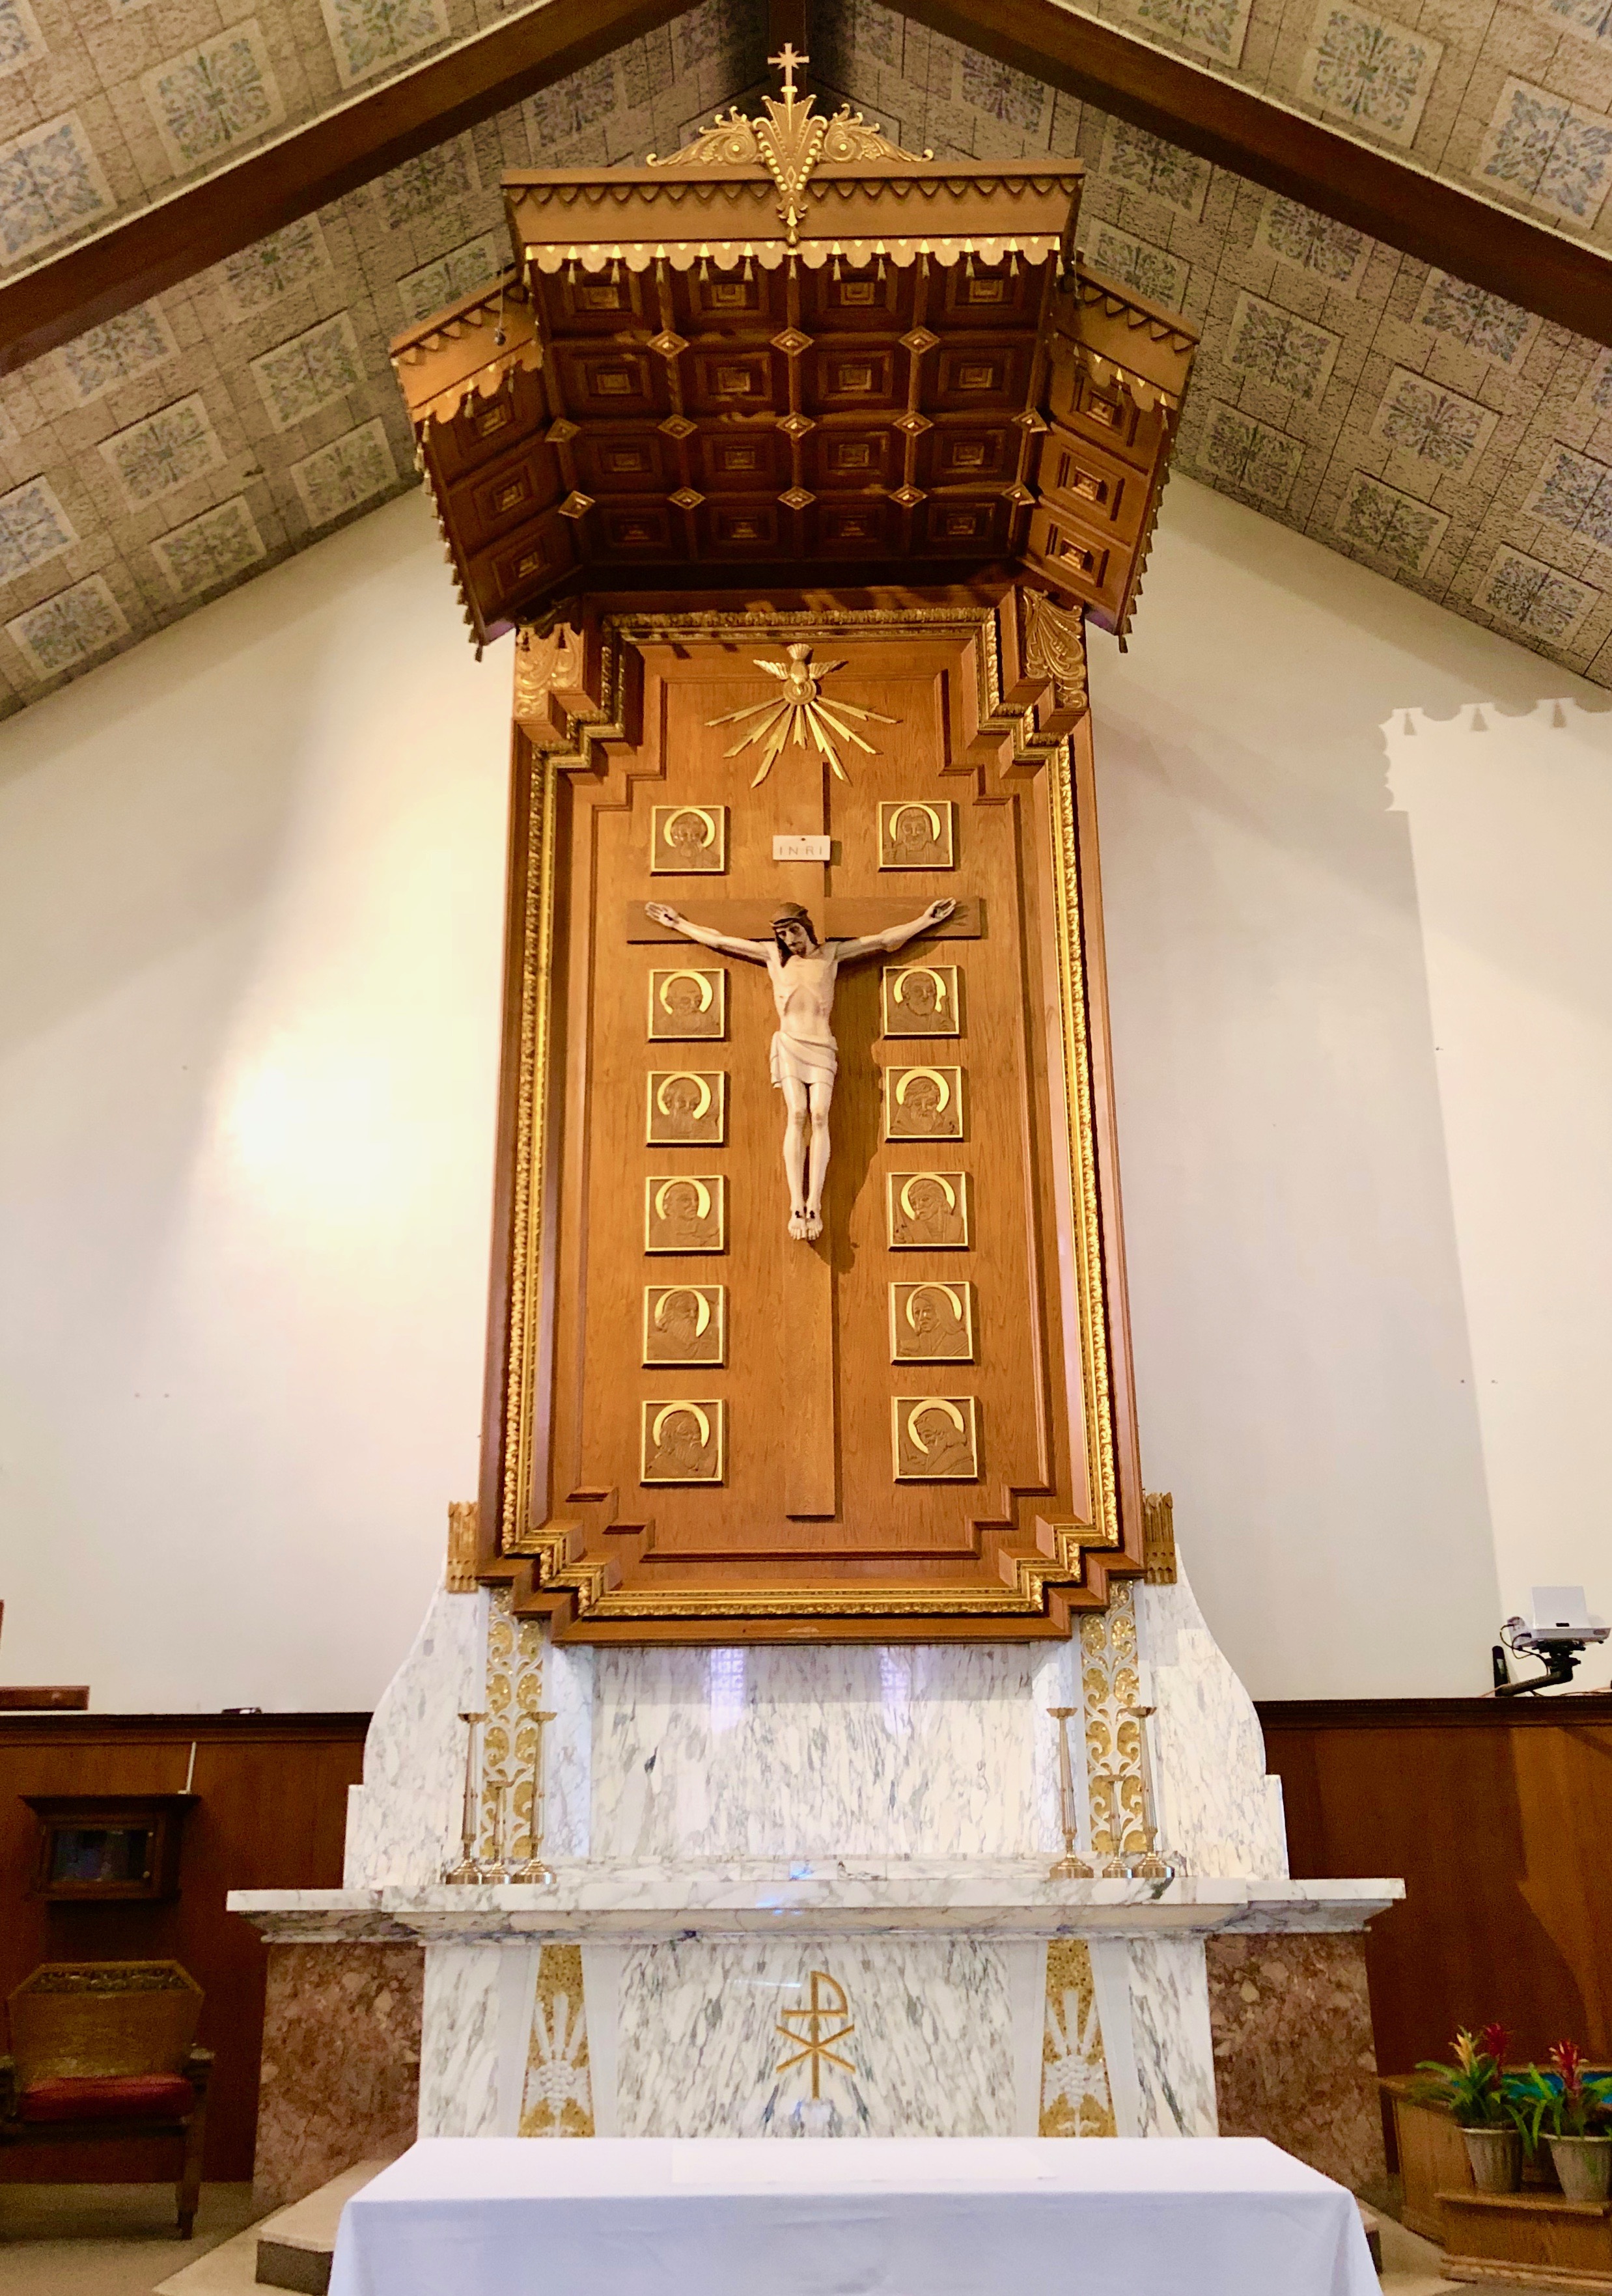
column 1559, row 1631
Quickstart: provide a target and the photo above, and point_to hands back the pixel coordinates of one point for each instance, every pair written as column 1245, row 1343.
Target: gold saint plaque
column 685, row 1441
column 932, row 1323
column 686, row 1003
column 687, row 840
column 923, row 1104
column 685, row 1324
column 921, row 1000
column 927, row 1211
column 935, row 1439
column 685, row 1212
column 917, row 834
column 686, row 1104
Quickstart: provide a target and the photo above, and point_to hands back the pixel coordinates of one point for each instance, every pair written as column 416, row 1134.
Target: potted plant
column 1575, row 2111
column 1476, row 2092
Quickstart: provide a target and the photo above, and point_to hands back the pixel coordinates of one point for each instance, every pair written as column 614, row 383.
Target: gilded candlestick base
column 467, row 1870
column 1152, row 1868
column 531, row 1872
column 1070, row 1868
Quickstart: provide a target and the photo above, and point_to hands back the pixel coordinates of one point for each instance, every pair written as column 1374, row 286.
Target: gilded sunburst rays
column 801, row 715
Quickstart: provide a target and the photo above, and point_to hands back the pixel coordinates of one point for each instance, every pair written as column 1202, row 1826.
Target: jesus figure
column 805, row 1058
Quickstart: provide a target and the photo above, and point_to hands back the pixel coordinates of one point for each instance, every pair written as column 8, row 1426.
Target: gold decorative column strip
column 1116, row 1783
column 558, row 2098
column 514, row 1697
column 1076, row 2100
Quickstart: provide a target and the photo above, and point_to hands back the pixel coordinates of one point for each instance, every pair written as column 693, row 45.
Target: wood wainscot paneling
column 270, row 1813
column 1497, row 1813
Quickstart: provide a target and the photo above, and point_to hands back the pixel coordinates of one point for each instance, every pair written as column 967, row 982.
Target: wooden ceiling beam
column 204, row 222
column 1390, row 199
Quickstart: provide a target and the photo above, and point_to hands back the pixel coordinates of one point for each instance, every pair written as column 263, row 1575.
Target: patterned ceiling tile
column 420, row 187
column 1574, row 493
column 1010, row 96
column 1210, row 28
column 1275, row 346
column 421, row 292
column 351, row 471
column 1483, row 323
column 34, row 528
column 1151, row 271
column 1389, row 525
column 311, row 371
column 1595, row 399
column 22, row 42
column 1362, row 68
column 369, row 36
column 156, row 457
column 259, row 275
column 1553, row 154
column 1536, row 600
column 1146, row 163
column 1422, row 418
column 50, row 184
column 124, row 347
column 1249, row 457
column 68, row 631
column 208, row 552
column 556, row 114
column 1313, row 243
column 1588, row 19
column 214, row 96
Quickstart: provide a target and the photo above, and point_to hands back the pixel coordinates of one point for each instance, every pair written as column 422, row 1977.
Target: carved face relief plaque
column 923, row 1104
column 921, row 1000
column 685, row 1324
column 932, row 1323
column 687, row 840
column 935, row 1439
column 685, row 1441
column 917, row 834
column 685, row 1212
column 687, row 1003
column 686, row 1104
column 927, row 1211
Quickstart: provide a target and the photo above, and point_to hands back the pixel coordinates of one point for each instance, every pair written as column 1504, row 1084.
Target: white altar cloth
column 880, row 2216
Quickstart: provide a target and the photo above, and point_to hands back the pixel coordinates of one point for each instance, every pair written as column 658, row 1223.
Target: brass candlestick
column 1151, row 1865
column 467, row 1869
column 1068, row 1868
column 496, row 1868
column 531, row 1868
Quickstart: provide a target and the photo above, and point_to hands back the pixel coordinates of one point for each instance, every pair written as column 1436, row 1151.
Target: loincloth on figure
column 803, row 1062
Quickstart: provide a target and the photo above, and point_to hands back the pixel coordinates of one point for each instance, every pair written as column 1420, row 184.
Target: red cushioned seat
column 122, row 2097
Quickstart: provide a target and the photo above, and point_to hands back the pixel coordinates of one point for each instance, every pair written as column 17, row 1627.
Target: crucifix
column 804, row 1056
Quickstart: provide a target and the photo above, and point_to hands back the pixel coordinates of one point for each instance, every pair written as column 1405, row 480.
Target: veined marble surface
column 404, row 1824
column 704, row 2043
column 1216, row 1808
column 473, row 2049
column 980, row 1897
column 847, row 1751
column 1171, row 2043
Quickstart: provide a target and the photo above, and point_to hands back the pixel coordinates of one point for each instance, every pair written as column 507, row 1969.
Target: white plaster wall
column 249, row 948
column 249, row 927
column 1305, row 1358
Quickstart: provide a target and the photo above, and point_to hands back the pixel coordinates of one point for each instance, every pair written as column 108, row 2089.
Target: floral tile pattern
column 212, row 550
column 1554, row 154
column 1534, row 598
column 1423, row 418
column 50, row 184
column 1363, row 69
column 216, row 96
column 1483, row 323
column 1146, row 163
column 420, row 187
column 1248, row 456
column 369, row 35
column 421, row 292
column 1214, row 28
column 1590, row 19
column 122, row 348
column 1276, row 346
column 1391, row 525
column 70, row 629
column 259, row 275
column 1151, row 271
column 165, row 452
column 1313, row 243
column 348, row 472
column 22, row 42
column 34, row 528
column 310, row 371
column 1574, row 493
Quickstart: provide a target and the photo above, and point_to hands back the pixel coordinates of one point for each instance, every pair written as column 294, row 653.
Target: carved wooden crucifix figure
column 805, row 1058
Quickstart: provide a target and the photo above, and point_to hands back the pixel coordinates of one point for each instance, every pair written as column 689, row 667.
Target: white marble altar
column 729, row 1827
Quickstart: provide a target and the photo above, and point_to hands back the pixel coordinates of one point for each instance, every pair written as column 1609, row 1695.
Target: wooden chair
column 106, row 2050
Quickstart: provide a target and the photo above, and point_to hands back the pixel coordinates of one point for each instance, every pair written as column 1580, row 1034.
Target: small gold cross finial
column 786, row 61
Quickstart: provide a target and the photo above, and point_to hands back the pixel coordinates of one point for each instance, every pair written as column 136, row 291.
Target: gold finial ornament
column 800, row 715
